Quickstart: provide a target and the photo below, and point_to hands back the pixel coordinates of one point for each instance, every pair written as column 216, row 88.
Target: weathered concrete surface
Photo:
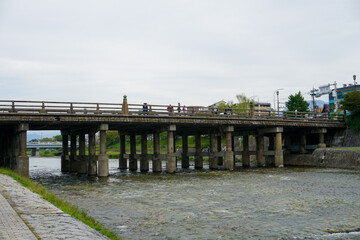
column 45, row 220
column 336, row 158
column 11, row 225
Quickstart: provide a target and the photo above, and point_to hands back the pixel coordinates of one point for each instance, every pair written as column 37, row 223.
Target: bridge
column 282, row 129
column 36, row 146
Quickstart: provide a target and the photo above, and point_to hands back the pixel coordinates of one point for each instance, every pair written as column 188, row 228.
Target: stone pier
column 103, row 159
column 83, row 159
column 198, row 157
column 132, row 160
column 73, row 166
column 213, row 163
column 170, row 157
column 65, row 160
column 185, row 150
column 92, row 164
column 229, row 154
column 22, row 160
column 122, row 159
column 245, row 154
column 157, row 167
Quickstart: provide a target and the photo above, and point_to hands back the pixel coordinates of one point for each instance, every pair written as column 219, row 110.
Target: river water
column 270, row 203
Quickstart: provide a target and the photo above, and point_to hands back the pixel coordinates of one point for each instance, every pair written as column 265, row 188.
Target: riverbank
column 328, row 158
column 27, row 215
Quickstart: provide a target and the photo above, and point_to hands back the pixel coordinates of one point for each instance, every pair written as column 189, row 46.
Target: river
column 255, row 203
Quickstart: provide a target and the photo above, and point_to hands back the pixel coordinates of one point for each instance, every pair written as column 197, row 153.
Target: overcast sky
column 195, row 52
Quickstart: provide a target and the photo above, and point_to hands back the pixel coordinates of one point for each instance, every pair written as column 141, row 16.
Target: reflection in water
column 268, row 203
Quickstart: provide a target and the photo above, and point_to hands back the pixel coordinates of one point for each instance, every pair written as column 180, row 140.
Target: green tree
column 297, row 103
column 58, row 138
column 351, row 103
column 112, row 137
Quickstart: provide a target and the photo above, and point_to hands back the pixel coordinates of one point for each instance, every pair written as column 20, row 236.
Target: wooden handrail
column 45, row 107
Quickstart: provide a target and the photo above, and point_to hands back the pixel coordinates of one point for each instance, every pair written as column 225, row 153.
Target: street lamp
column 277, row 93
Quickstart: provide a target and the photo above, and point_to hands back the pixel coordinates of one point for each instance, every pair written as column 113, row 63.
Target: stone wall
column 333, row 158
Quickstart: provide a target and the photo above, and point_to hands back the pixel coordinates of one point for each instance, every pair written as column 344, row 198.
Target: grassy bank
column 62, row 204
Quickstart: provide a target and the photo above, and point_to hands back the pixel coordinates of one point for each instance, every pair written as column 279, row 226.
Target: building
column 340, row 94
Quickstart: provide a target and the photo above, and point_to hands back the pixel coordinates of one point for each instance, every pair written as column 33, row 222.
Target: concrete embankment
column 26, row 215
column 334, row 158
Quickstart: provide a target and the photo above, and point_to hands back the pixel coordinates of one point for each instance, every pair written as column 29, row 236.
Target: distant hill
column 41, row 134
column 319, row 103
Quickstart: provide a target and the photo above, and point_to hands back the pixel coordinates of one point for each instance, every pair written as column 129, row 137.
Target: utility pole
column 277, row 93
column 313, row 99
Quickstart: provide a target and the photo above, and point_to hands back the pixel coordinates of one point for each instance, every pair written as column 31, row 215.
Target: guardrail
column 52, row 107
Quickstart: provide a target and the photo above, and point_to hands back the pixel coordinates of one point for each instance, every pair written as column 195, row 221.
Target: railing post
column 125, row 109
column 252, row 110
column 42, row 108
column 71, row 108
column 97, row 109
column 13, row 106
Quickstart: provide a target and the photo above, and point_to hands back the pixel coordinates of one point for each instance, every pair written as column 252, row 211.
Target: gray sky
column 188, row 51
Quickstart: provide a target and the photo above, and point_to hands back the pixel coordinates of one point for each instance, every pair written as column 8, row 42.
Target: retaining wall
column 333, row 158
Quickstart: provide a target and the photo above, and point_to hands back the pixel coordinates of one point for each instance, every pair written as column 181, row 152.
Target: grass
column 60, row 203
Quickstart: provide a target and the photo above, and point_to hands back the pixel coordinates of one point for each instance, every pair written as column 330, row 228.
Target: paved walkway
column 22, row 210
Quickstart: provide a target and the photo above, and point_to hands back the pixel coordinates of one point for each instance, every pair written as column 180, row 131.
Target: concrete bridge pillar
column 92, row 162
column 245, row 153
column 122, row 159
column 65, row 161
column 156, row 159
column 103, row 159
column 73, row 166
column 198, row 157
column 170, row 157
column 218, row 143
column 83, row 162
column 279, row 155
column 212, row 159
column 144, row 162
column 321, row 132
column 229, row 154
column 132, row 160
column 22, row 160
column 260, row 158
column 185, row 150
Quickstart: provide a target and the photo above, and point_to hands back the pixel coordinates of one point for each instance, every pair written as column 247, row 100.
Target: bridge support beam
column 132, row 160
column 22, row 160
column 218, row 142
column 122, row 159
column 185, row 150
column 212, row 159
column 321, row 132
column 260, row 158
column 83, row 162
column 229, row 154
column 279, row 155
column 198, row 157
column 170, row 157
column 103, row 159
column 73, row 166
column 65, row 161
column 92, row 164
column 245, row 153
column 157, row 166
column 144, row 162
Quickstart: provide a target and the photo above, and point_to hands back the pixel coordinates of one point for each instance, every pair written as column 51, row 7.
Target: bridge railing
column 59, row 107
column 52, row 107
